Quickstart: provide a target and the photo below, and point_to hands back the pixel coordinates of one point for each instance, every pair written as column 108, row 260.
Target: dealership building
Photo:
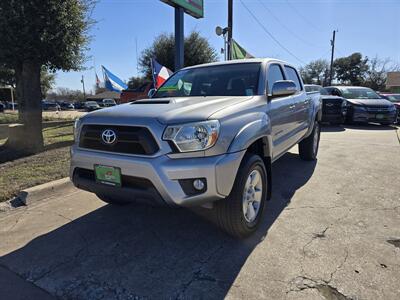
column 393, row 81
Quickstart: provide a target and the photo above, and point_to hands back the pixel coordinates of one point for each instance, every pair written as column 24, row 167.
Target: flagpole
column 152, row 72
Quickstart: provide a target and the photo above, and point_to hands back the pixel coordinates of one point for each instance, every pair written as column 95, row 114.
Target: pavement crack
column 340, row 266
column 326, row 290
column 198, row 274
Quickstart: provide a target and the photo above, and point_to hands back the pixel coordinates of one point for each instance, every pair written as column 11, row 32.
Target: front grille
column 331, row 106
column 130, row 139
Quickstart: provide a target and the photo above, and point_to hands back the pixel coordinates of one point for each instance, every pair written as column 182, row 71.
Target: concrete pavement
column 331, row 231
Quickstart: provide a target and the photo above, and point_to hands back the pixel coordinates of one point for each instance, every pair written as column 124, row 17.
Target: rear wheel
column 308, row 148
column 240, row 213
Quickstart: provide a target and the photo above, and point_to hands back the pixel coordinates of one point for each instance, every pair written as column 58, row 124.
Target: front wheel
column 240, row 213
column 308, row 148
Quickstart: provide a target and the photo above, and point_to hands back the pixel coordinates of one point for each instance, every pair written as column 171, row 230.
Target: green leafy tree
column 197, row 51
column 351, row 69
column 36, row 34
column 316, row 72
column 136, row 81
column 47, row 79
column 7, row 77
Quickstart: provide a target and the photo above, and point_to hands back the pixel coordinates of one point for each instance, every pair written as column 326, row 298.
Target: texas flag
column 160, row 73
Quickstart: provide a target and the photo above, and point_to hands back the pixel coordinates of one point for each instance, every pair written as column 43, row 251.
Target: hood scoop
column 152, row 102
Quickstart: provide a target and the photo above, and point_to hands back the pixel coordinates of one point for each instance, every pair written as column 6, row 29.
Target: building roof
column 105, row 95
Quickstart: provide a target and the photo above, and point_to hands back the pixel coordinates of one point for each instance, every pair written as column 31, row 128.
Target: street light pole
column 230, row 26
column 83, row 87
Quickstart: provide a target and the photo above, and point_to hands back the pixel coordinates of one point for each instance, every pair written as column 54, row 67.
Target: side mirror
column 283, row 88
column 151, row 93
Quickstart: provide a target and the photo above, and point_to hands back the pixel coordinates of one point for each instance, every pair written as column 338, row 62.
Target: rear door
column 302, row 106
column 280, row 111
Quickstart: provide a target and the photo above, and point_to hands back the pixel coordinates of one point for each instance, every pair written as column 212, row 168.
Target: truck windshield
column 220, row 80
column 359, row 93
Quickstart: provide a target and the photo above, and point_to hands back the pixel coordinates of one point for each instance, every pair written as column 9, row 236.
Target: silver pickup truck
column 207, row 137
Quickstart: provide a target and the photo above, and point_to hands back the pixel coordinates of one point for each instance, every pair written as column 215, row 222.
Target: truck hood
column 331, row 97
column 371, row 102
column 170, row 110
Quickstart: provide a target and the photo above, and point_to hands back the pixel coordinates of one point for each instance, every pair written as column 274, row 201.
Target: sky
column 292, row 30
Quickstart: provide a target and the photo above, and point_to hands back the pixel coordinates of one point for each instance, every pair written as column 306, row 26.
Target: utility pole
column 179, row 56
column 332, row 54
column 83, row 87
column 137, row 58
column 230, row 26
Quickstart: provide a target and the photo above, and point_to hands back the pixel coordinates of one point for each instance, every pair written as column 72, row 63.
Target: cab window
column 274, row 74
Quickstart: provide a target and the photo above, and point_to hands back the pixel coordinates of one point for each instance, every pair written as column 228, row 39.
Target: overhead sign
column 195, row 8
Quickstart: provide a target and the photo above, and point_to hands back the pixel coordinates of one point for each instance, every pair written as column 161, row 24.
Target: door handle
column 292, row 106
column 306, row 101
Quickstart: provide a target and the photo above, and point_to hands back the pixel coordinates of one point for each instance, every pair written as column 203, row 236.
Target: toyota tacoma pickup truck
column 207, row 137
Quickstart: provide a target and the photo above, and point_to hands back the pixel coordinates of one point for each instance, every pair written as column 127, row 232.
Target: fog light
column 198, row 184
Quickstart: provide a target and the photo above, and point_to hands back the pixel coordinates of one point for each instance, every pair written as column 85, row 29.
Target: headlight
column 77, row 124
column 193, row 136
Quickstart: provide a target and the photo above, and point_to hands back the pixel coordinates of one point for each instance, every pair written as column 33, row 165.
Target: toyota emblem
column 109, row 136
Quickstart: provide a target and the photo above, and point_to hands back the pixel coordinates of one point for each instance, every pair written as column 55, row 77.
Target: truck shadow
column 332, row 128
column 145, row 252
column 370, row 126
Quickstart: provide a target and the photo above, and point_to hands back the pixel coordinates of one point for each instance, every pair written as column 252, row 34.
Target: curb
column 37, row 193
column 44, row 191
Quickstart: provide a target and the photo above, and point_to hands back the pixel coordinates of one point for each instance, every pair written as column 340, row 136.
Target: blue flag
column 112, row 82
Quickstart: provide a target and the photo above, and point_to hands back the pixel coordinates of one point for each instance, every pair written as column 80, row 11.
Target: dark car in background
column 332, row 110
column 92, row 106
column 108, row 102
column 364, row 105
column 395, row 99
column 66, row 106
column 79, row 105
column 2, row 107
column 10, row 105
column 49, row 105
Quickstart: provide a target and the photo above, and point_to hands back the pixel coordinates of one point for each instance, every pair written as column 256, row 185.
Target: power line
column 286, row 27
column 270, row 34
column 303, row 17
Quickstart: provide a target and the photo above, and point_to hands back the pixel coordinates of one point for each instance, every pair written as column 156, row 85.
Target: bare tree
column 376, row 76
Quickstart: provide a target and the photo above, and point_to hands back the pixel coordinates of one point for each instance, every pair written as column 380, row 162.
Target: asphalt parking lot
column 331, row 231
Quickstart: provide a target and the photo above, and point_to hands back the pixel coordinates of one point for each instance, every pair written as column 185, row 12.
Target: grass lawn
column 51, row 164
column 12, row 117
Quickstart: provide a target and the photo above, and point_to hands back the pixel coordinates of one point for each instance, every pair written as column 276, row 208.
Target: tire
column 111, row 200
column 308, row 148
column 230, row 212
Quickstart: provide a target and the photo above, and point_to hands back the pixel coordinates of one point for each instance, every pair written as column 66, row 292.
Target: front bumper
column 164, row 174
column 334, row 118
column 387, row 117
